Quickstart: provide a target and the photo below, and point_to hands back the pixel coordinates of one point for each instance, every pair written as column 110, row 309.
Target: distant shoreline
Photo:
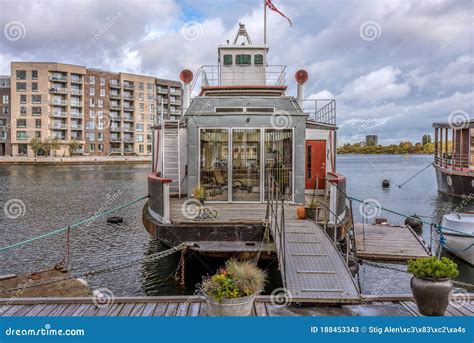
column 382, row 153
column 85, row 160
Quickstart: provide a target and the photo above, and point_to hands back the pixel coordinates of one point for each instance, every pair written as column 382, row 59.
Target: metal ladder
column 171, row 155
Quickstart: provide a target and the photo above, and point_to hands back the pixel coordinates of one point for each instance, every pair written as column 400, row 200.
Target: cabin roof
column 455, row 126
column 207, row 104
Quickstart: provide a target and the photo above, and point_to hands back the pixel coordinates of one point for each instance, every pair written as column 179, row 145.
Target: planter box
column 230, row 307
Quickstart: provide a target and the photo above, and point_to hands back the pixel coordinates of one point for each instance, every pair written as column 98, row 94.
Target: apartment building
column 105, row 113
column 5, row 146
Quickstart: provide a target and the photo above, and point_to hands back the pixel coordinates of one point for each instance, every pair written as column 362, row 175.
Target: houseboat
column 454, row 158
column 215, row 167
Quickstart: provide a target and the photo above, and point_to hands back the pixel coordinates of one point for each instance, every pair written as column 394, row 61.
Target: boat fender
column 386, row 184
column 115, row 220
column 414, row 222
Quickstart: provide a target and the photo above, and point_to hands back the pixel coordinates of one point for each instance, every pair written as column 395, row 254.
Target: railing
column 76, row 91
column 275, row 220
column 114, row 84
column 321, row 110
column 58, row 114
column 58, row 90
column 58, row 102
column 453, row 161
column 76, row 115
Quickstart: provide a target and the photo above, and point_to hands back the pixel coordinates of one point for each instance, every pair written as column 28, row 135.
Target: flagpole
column 264, row 22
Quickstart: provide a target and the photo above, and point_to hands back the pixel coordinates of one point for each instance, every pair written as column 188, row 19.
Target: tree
column 426, row 139
column 51, row 145
column 37, row 146
column 73, row 147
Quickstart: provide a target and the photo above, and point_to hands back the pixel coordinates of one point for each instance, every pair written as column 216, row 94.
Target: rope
column 429, row 165
column 73, row 226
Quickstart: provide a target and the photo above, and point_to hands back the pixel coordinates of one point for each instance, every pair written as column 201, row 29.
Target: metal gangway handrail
column 275, row 220
column 324, row 113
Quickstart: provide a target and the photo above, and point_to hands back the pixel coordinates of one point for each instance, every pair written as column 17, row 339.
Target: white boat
column 458, row 230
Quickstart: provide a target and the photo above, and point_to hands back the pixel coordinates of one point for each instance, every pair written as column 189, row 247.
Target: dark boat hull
column 455, row 184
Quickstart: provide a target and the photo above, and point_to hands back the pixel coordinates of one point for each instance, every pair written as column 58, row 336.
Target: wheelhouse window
column 258, row 59
column 243, row 59
column 227, row 60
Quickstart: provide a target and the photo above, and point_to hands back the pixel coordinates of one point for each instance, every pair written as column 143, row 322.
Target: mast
column 264, row 22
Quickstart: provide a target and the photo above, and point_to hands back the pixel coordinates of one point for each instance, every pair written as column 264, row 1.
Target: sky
column 394, row 67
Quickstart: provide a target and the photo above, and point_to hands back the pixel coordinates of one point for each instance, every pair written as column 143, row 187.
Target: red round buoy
column 186, row 76
column 301, row 76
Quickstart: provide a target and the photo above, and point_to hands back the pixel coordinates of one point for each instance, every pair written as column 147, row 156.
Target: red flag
column 273, row 8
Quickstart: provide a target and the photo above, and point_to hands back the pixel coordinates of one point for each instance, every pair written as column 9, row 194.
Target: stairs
column 171, row 153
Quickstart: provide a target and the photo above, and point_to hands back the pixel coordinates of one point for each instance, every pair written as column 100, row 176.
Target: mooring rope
column 411, row 178
column 73, row 226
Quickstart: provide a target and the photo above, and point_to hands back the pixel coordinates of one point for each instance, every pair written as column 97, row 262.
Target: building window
column 243, row 59
column 34, row 74
column 142, row 106
column 140, row 116
column 22, row 99
column 21, row 86
column 151, row 107
column 90, row 136
column 100, row 137
column 21, row 123
column 92, row 113
column 38, row 123
column 227, row 60
column 21, row 74
column 21, row 135
column 258, row 59
column 141, row 96
column 36, row 111
column 34, row 86
column 102, row 92
column 36, row 99
column 37, row 134
column 5, row 99
column 5, row 111
column 92, row 103
column 100, row 103
column 23, row 110
column 102, row 81
column 92, row 80
column 150, row 87
column 22, row 149
column 90, row 125
column 92, row 91
column 141, row 149
column 139, row 127
column 92, row 147
column 139, row 138
column 101, row 147
column 141, row 86
column 151, row 97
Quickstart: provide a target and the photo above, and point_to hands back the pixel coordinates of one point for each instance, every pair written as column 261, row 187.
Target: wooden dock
column 196, row 306
column 388, row 243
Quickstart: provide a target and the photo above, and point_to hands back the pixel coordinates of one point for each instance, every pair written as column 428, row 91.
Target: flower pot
column 300, row 212
column 431, row 295
column 310, row 213
column 230, row 307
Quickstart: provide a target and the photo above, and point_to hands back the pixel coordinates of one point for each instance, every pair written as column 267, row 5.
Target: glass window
column 21, row 86
column 38, row 123
column 227, row 60
column 23, row 110
column 21, row 74
column 92, row 80
column 139, row 138
column 21, row 123
column 5, row 99
column 92, row 91
column 214, row 162
column 258, row 59
column 21, row 135
column 22, row 99
column 34, row 86
column 36, row 111
column 92, row 147
column 36, row 99
column 102, row 81
column 37, row 134
column 279, row 159
column 243, row 59
column 246, row 164
column 34, row 74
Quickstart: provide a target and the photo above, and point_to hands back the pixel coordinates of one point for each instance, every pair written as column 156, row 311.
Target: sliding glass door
column 279, row 160
column 246, row 148
column 214, row 155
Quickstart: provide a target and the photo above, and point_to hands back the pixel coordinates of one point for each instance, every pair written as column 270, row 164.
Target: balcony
column 54, row 126
column 127, row 85
column 176, row 92
column 76, row 80
column 128, row 150
column 162, row 90
column 114, row 84
column 76, row 127
column 76, row 115
column 173, row 102
column 128, row 108
column 115, row 129
column 76, row 91
column 128, row 96
column 58, row 78
column 115, row 95
column 58, row 114
column 58, row 102
column 115, row 150
column 127, row 118
column 76, row 104
column 58, row 90
column 115, row 106
column 115, row 118
column 115, row 139
column 128, row 128
column 128, row 140
column 77, row 138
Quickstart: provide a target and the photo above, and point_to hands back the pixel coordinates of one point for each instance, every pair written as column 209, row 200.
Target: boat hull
column 459, row 235
column 455, row 184
column 457, row 244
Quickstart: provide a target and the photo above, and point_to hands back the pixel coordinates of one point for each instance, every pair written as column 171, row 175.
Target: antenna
column 242, row 32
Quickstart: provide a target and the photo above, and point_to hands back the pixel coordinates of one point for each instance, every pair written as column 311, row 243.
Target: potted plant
column 310, row 210
column 431, row 283
column 198, row 193
column 232, row 290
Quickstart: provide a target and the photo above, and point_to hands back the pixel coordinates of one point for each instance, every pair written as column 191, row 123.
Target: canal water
column 51, row 197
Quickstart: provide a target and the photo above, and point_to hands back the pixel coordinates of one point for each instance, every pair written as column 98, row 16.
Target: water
column 57, row 196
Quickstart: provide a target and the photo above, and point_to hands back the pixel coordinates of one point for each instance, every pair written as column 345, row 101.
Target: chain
column 382, row 265
column 463, row 284
column 151, row 258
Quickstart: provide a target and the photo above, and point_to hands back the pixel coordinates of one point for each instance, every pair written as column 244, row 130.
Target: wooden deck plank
column 137, row 310
column 10, row 311
column 203, row 311
column 103, row 310
column 24, row 310
column 47, row 310
column 35, row 310
column 82, row 310
column 160, row 309
column 171, row 309
column 194, row 309
column 182, row 310
column 126, row 310
column 70, row 309
column 114, row 310
column 260, row 309
column 148, row 310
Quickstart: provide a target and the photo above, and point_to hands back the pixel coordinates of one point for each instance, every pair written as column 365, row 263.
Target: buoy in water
column 385, row 184
column 414, row 222
column 115, row 220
